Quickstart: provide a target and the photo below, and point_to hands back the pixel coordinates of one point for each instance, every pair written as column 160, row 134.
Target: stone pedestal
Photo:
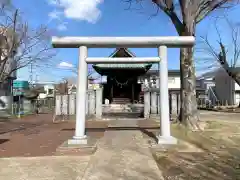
column 167, row 140
column 77, row 147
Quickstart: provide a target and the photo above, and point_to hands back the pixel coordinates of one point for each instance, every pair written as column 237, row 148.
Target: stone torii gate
column 161, row 43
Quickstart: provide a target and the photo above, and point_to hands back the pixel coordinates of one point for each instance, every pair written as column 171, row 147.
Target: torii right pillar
column 165, row 134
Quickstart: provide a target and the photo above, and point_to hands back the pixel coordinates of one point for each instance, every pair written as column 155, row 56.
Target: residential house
column 49, row 90
column 220, row 87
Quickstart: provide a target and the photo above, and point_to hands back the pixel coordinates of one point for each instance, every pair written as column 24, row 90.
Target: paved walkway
column 121, row 155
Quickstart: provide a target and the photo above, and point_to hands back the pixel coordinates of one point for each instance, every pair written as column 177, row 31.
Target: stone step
column 117, row 108
column 121, row 100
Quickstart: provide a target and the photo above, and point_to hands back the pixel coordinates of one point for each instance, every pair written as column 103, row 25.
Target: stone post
column 99, row 103
column 72, row 108
column 65, row 104
column 58, row 105
column 153, row 103
column 92, row 102
column 146, row 104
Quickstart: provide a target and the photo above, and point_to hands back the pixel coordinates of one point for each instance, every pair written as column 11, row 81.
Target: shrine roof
column 121, row 66
column 121, row 52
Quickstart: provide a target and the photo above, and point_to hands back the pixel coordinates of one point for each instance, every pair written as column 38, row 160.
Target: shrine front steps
column 121, row 101
column 118, row 108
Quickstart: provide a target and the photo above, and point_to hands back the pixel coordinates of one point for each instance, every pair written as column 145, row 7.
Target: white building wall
column 173, row 82
column 47, row 89
column 237, row 98
column 237, row 94
column 237, row 87
column 42, row 96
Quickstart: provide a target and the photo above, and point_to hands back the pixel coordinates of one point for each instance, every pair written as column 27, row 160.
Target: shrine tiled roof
column 127, row 66
column 122, row 52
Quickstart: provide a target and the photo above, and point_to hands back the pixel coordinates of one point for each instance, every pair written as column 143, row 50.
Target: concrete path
column 121, row 155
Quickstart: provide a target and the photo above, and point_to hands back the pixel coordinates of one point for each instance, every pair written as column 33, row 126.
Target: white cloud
column 53, row 2
column 54, row 15
column 83, row 10
column 65, row 65
column 62, row 27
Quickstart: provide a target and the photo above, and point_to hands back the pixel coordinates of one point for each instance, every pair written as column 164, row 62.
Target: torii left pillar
column 80, row 136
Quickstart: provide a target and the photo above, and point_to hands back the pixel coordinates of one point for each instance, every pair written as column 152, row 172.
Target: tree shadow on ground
column 219, row 159
column 3, row 141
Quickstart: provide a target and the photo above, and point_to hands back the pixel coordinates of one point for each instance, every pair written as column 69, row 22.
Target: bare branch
column 168, row 7
column 21, row 45
column 205, row 7
column 220, row 55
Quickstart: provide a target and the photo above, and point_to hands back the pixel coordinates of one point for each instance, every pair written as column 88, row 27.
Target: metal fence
column 208, row 104
column 26, row 107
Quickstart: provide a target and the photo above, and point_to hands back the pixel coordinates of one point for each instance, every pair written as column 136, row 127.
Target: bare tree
column 74, row 69
column 21, row 45
column 62, row 87
column 226, row 53
column 185, row 14
column 90, row 71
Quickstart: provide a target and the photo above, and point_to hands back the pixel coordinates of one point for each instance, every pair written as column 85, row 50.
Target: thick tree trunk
column 188, row 110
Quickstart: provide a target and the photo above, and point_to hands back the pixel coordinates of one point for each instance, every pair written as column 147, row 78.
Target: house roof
column 209, row 74
column 121, row 52
column 212, row 74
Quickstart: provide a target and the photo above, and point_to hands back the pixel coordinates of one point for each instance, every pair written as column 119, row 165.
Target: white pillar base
column 167, row 140
column 78, row 140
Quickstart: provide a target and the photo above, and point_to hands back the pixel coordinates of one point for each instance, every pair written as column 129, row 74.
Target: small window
column 50, row 91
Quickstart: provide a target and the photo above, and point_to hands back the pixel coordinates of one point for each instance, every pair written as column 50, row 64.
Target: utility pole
column 31, row 75
column 36, row 80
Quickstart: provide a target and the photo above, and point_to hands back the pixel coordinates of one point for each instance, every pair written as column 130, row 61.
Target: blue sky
column 98, row 18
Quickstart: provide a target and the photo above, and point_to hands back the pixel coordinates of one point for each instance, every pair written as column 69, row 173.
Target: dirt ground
column 37, row 135
column 211, row 154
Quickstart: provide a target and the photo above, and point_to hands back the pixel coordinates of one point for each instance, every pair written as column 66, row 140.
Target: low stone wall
column 152, row 102
column 66, row 104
